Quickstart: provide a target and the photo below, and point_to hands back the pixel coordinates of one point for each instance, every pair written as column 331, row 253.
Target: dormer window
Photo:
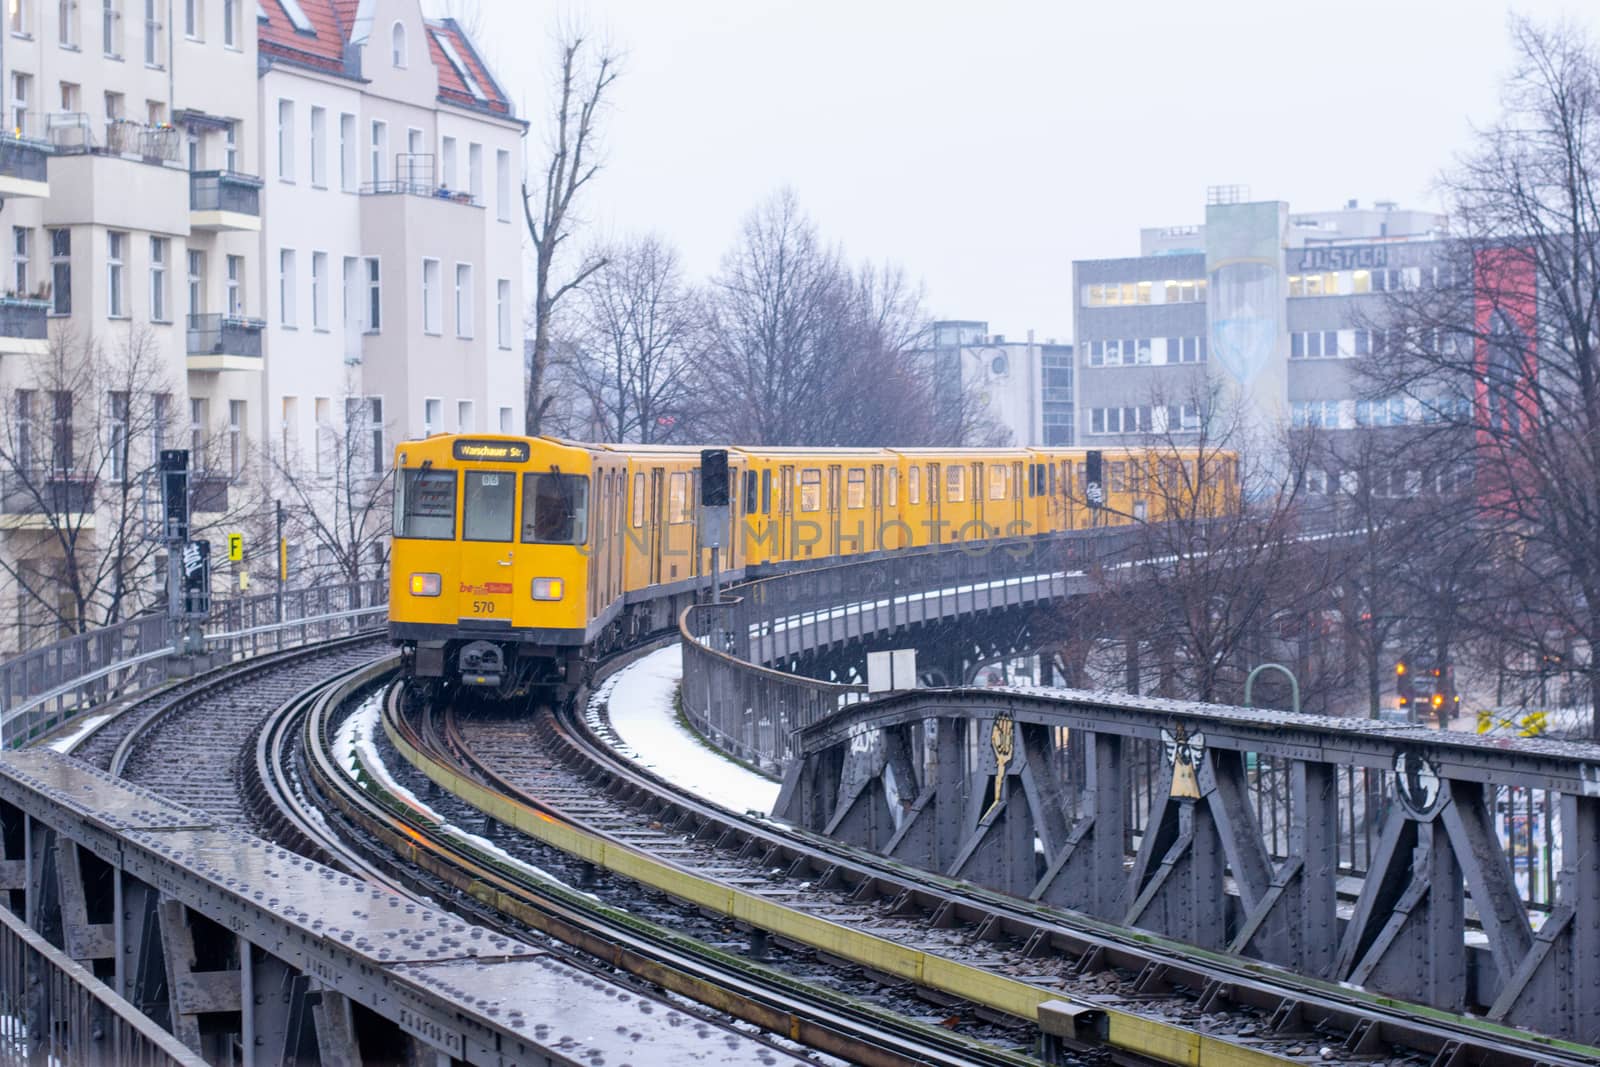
column 397, row 38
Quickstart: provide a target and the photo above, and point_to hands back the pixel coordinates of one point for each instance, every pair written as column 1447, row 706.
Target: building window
column 505, row 420
column 61, row 435
column 197, row 284
column 21, row 242
column 152, row 34
column 319, row 290
column 350, row 302
column 235, row 438
column 21, row 93
column 502, row 312
column 374, row 296
column 231, row 146
column 160, row 412
column 286, row 286
column 24, row 420
column 502, row 185
column 1315, row 344
column 286, row 140
column 463, row 300
column 432, row 416
column 117, row 434
column 230, row 23
column 431, row 296
column 1139, row 419
column 158, row 279
column 380, row 151
column 116, row 275
column 61, row 272
column 397, row 45
column 197, row 435
column 448, row 163
column 375, row 425
column 66, row 23
column 235, row 285
column 475, row 172
column 192, row 10
column 319, row 147
column 464, row 423
column 108, row 26
column 347, row 153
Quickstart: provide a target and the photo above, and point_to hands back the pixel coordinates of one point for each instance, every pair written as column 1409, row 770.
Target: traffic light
column 714, row 478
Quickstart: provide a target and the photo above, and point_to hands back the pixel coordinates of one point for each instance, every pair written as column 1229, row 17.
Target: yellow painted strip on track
column 1148, row 1037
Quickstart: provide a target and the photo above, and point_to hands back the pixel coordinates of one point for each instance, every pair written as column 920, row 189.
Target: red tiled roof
column 322, row 48
column 452, row 87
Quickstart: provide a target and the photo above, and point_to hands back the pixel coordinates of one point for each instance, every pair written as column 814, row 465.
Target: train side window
column 997, row 481
column 555, row 509
column 488, row 506
column 955, row 486
column 914, row 484
column 894, row 487
column 425, row 505
column 638, row 499
column 1052, row 467
column 1119, row 478
column 855, row 488
column 678, row 497
column 751, row 484
column 810, row 489
column 766, row 492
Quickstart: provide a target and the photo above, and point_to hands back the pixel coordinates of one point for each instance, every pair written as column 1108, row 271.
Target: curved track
column 556, row 764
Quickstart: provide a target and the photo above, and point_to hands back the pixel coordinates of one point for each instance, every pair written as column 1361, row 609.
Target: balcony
column 208, row 493
column 224, row 342
column 24, row 326
column 415, row 177
column 224, row 200
column 23, row 167
column 38, row 499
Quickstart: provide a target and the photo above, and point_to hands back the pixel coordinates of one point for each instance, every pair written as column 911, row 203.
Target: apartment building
column 1262, row 307
column 245, row 229
column 392, row 239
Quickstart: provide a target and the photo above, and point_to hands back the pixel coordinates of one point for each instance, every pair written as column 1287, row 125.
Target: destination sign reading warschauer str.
column 499, row 451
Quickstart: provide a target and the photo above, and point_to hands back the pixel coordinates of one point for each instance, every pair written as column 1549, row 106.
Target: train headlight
column 548, row 588
column 425, row 585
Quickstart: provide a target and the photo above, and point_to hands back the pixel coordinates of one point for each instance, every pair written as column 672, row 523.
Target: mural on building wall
column 1245, row 303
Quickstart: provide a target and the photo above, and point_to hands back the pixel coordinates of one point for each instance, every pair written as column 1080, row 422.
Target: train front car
column 490, row 563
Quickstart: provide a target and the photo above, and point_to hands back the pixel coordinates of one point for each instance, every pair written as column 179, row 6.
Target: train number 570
column 483, row 607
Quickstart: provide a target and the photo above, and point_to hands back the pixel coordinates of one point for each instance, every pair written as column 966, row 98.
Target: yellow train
column 515, row 560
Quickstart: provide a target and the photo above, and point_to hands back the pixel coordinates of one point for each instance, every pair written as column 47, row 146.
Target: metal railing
column 23, row 159
column 24, row 317
column 42, row 688
column 155, row 143
column 224, row 190
column 215, row 334
column 55, row 1011
column 45, row 492
column 738, row 683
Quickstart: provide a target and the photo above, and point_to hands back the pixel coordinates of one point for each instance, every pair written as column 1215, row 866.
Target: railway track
column 555, row 767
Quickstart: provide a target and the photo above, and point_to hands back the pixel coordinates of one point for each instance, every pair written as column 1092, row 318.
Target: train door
column 785, row 539
column 935, row 491
column 835, row 506
column 1016, row 500
column 874, row 538
column 488, row 552
column 653, row 520
column 980, row 492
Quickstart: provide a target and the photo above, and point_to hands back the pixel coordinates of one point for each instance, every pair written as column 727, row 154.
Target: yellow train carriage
column 502, row 540
column 516, row 560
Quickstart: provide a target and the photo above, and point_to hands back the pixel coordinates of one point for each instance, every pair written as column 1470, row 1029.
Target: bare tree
column 1221, row 528
column 76, row 445
column 338, row 501
column 1514, row 331
column 586, row 71
column 640, row 329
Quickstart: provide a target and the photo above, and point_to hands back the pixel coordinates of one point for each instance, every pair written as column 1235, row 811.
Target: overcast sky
column 985, row 146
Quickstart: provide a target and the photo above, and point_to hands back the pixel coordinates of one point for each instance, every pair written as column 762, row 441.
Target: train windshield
column 425, row 505
column 488, row 506
column 555, row 509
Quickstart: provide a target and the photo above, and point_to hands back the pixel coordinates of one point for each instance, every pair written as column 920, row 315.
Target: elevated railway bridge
column 1341, row 890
